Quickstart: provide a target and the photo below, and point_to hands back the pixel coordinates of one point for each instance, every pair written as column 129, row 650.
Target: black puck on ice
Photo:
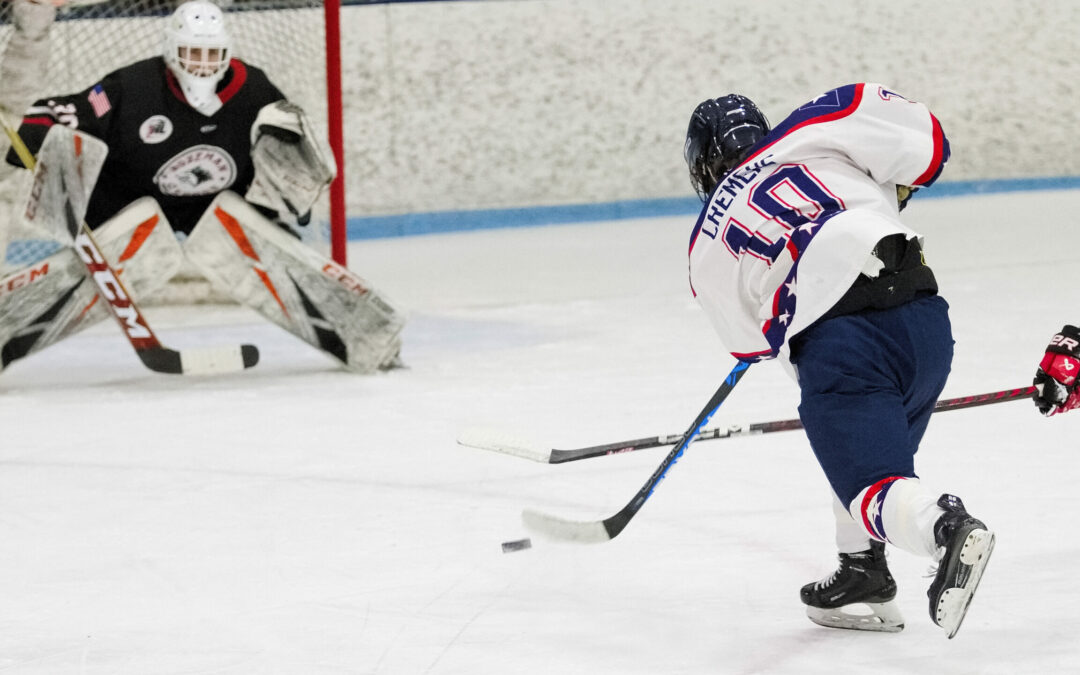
column 517, row 545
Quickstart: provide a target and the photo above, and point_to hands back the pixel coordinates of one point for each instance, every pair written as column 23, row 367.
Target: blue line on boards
column 436, row 222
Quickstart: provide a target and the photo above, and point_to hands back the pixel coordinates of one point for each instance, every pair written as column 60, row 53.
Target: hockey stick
column 488, row 439
column 609, row 528
column 155, row 356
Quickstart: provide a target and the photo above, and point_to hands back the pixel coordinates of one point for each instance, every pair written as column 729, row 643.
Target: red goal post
column 297, row 43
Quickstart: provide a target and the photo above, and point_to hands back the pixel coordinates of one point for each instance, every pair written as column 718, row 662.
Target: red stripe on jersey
column 939, row 150
column 238, row 74
column 239, row 77
column 174, row 86
column 856, row 100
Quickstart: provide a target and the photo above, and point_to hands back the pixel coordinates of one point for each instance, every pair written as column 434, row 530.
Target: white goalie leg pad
column 140, row 245
column 43, row 303
column 326, row 305
column 899, row 511
column 54, row 297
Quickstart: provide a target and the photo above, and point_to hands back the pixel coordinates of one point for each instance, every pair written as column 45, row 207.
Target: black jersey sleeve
column 90, row 111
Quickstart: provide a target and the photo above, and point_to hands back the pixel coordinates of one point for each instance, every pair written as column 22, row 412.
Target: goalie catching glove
column 1055, row 380
column 292, row 167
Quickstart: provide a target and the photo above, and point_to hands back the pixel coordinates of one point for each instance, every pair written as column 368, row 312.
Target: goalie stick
column 496, row 441
column 155, row 356
column 609, row 528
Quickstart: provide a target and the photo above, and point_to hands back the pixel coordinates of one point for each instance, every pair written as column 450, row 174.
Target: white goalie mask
column 197, row 50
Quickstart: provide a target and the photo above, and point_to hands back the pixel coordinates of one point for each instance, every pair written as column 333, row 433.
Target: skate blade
column 878, row 617
column 954, row 602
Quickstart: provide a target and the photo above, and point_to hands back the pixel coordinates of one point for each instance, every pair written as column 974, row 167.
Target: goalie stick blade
column 561, row 529
column 508, row 444
column 206, row 361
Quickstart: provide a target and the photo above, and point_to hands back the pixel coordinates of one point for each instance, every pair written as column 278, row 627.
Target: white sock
column 850, row 534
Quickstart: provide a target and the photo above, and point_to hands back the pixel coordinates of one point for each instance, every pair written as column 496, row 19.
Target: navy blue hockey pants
column 869, row 383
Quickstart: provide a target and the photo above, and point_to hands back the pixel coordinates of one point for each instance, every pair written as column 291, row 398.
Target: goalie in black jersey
column 207, row 144
column 179, row 127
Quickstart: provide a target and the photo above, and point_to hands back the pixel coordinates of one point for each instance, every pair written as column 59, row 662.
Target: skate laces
column 847, row 561
column 828, row 581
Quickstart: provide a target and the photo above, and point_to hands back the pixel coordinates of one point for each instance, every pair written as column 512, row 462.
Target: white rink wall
column 515, row 103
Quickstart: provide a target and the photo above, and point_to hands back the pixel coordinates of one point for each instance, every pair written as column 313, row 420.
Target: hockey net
column 294, row 41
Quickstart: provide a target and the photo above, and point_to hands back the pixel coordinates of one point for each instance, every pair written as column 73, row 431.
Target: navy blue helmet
column 721, row 133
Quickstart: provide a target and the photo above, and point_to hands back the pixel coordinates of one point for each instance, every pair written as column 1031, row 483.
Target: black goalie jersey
column 160, row 146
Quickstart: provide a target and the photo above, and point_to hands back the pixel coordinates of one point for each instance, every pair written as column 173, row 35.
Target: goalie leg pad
column 54, row 298
column 139, row 242
column 312, row 297
column 44, row 303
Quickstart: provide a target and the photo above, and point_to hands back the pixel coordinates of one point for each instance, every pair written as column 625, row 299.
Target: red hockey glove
column 1056, row 378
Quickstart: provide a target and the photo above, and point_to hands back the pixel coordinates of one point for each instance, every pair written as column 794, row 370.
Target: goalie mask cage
column 297, row 43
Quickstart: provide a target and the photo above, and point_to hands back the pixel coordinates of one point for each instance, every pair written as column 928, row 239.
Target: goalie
column 182, row 137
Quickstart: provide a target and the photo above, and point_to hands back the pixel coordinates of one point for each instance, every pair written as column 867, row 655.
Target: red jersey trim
column 939, row 150
column 239, row 77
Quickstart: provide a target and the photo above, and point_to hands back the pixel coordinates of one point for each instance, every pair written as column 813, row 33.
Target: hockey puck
column 517, row 545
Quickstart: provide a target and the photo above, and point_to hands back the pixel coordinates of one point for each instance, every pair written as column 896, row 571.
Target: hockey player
column 178, row 126
column 1056, row 377
column 206, row 144
column 799, row 253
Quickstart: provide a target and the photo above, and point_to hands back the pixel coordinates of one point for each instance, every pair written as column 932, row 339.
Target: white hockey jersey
column 785, row 234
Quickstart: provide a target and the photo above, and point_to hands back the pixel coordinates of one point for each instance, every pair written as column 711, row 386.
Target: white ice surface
column 296, row 518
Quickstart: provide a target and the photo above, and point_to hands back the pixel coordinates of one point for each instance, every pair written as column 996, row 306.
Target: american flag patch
column 99, row 100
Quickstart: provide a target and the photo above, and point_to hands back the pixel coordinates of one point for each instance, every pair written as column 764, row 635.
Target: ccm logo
column 1066, row 342
column 23, row 278
column 40, row 176
column 111, row 288
column 345, row 277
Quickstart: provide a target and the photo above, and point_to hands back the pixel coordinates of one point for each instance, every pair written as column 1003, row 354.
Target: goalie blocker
column 323, row 303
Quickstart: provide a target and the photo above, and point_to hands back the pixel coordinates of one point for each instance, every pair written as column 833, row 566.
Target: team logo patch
column 155, row 129
column 199, row 170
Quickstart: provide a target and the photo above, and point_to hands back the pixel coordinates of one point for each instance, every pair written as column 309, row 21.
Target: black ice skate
column 860, row 595
column 966, row 545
